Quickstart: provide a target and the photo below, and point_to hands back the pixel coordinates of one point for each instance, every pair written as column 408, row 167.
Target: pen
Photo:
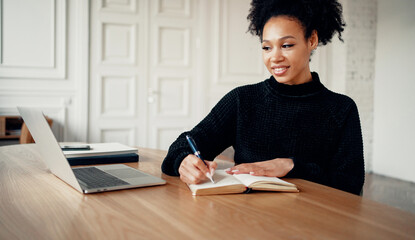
column 196, row 152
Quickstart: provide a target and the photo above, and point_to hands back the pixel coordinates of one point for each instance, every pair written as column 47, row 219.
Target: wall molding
column 129, row 7
column 56, row 69
column 178, row 11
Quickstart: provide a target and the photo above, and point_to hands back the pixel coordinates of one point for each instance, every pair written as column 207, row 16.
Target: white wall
column 43, row 62
column 394, row 115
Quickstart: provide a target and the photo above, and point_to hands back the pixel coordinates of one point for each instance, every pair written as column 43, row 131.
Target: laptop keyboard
column 95, row 178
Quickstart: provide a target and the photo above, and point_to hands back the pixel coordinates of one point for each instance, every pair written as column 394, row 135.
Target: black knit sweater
column 317, row 128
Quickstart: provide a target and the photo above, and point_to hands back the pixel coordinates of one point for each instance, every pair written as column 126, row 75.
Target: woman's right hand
column 193, row 171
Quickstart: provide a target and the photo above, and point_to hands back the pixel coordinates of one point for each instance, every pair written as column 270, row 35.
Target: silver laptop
column 84, row 179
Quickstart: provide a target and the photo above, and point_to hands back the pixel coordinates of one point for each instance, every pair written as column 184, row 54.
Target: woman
column 289, row 125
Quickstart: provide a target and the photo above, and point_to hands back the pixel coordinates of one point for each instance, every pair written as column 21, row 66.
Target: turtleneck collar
column 302, row 90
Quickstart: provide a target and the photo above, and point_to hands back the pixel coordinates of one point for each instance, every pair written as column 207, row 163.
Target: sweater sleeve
column 212, row 135
column 345, row 169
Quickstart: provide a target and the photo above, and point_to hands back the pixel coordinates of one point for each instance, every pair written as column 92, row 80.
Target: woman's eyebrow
column 282, row 38
column 289, row 36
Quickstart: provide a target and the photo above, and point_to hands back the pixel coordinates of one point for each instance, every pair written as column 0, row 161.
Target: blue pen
column 196, row 152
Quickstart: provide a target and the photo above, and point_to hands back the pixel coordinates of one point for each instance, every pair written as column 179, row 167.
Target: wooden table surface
column 34, row 204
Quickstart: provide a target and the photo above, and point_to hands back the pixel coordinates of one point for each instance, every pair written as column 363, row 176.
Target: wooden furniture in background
column 10, row 127
column 26, row 137
column 37, row 205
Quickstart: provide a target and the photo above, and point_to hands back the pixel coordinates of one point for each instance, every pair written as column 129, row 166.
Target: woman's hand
column 193, row 171
column 278, row 167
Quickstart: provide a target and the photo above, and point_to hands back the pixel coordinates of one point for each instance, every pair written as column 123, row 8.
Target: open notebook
column 240, row 183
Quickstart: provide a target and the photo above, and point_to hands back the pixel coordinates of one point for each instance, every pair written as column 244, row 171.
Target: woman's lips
column 279, row 71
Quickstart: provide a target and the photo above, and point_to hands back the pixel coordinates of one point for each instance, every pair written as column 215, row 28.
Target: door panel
column 143, row 71
column 174, row 27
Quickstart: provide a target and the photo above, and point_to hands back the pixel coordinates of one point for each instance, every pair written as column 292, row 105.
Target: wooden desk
column 34, row 204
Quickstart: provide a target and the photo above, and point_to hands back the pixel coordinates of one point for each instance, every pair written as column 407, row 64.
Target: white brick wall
column 360, row 40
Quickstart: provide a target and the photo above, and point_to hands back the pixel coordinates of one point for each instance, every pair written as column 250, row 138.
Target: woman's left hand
column 278, row 167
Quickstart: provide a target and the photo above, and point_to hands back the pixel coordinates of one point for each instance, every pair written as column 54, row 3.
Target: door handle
column 152, row 95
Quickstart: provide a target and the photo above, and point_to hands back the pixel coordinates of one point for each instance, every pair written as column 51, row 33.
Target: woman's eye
column 287, row 45
column 265, row 48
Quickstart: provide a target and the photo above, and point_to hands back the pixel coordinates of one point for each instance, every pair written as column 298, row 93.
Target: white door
column 143, row 71
column 173, row 76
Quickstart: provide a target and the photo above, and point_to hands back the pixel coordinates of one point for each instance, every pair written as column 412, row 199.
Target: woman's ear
column 313, row 40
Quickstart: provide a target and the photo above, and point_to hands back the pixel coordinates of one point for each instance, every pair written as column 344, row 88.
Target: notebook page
column 248, row 179
column 221, row 179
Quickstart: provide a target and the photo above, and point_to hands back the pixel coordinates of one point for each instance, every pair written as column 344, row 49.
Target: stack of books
column 102, row 153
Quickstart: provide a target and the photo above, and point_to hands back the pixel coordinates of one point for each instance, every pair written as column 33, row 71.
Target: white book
column 100, row 149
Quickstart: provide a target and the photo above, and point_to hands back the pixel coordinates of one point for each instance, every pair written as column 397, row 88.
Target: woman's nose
column 277, row 55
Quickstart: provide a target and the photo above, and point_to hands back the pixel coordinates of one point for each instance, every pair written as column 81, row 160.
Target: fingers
column 191, row 178
column 247, row 168
column 193, row 171
column 272, row 168
column 212, row 166
column 261, row 172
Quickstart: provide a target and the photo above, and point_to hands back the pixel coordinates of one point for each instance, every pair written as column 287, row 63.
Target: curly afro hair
column 324, row 16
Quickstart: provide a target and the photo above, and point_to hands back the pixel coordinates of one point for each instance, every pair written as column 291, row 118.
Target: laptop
column 89, row 179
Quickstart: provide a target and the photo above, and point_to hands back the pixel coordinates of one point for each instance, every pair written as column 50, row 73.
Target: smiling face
column 286, row 52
